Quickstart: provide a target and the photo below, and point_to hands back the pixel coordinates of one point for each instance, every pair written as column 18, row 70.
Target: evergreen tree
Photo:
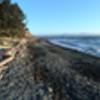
column 12, row 19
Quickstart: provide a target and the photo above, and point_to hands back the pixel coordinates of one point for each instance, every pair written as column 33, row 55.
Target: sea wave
column 89, row 45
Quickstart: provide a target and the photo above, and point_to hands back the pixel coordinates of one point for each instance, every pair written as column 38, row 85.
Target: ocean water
column 89, row 45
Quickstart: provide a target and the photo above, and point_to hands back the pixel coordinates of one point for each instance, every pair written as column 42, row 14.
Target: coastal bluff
column 44, row 71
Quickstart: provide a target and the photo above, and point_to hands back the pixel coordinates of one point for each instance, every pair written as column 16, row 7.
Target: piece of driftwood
column 6, row 61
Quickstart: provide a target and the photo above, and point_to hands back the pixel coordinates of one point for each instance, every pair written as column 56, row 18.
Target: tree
column 12, row 19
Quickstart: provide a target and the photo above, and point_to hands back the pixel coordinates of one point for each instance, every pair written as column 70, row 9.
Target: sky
column 62, row 16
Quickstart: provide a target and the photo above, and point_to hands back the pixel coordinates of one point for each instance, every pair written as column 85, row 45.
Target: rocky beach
column 44, row 71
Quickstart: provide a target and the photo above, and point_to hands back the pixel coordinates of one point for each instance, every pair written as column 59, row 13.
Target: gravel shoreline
column 43, row 71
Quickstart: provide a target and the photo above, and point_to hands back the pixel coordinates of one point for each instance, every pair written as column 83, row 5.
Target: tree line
column 12, row 19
